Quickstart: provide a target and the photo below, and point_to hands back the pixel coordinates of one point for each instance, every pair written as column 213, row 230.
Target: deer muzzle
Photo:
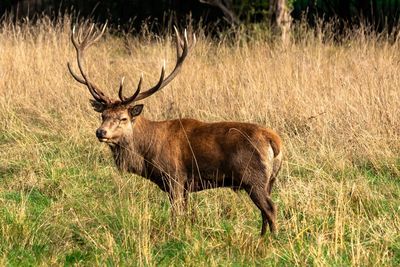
column 101, row 134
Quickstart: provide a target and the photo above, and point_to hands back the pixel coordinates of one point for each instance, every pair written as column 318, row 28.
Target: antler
column 180, row 57
column 81, row 41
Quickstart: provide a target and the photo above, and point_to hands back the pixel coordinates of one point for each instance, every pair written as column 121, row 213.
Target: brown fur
column 187, row 155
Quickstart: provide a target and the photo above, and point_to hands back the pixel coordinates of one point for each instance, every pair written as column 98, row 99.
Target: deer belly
column 209, row 180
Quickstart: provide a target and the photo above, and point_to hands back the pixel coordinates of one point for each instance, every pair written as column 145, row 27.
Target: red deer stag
column 183, row 155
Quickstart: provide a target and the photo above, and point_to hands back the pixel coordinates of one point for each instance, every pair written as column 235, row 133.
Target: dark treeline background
column 378, row 13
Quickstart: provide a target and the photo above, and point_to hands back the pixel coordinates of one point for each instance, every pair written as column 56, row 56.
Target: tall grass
column 336, row 107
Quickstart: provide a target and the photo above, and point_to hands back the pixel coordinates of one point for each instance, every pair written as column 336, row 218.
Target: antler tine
column 178, row 42
column 121, row 85
column 181, row 43
column 126, row 101
column 101, row 32
column 88, row 37
column 80, row 35
column 194, row 41
column 74, row 42
column 185, row 48
column 180, row 57
column 80, row 31
column 92, row 35
column 80, row 45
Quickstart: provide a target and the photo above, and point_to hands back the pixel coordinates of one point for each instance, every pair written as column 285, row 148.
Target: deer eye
column 124, row 119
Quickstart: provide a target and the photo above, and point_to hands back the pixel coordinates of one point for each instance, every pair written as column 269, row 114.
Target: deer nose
column 100, row 133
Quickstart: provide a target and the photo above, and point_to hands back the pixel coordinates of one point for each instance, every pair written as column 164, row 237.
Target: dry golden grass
column 336, row 107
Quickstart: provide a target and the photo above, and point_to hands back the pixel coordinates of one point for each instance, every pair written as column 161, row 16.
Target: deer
column 182, row 155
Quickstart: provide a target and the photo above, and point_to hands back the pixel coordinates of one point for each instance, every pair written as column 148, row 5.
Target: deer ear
column 97, row 106
column 136, row 110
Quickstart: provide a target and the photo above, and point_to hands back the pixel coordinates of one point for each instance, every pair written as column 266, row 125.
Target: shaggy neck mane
column 130, row 152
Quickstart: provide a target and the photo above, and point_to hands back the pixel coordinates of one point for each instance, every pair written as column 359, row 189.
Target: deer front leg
column 190, row 211
column 177, row 197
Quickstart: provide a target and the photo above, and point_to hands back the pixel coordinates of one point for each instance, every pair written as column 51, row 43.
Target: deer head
column 119, row 115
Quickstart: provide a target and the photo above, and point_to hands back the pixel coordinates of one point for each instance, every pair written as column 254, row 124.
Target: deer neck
column 132, row 151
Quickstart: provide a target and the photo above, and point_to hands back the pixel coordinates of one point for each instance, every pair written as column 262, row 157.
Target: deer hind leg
column 177, row 196
column 277, row 164
column 190, row 212
column 270, row 185
column 267, row 208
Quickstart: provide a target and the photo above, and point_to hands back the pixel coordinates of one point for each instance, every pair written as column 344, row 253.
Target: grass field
column 336, row 106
